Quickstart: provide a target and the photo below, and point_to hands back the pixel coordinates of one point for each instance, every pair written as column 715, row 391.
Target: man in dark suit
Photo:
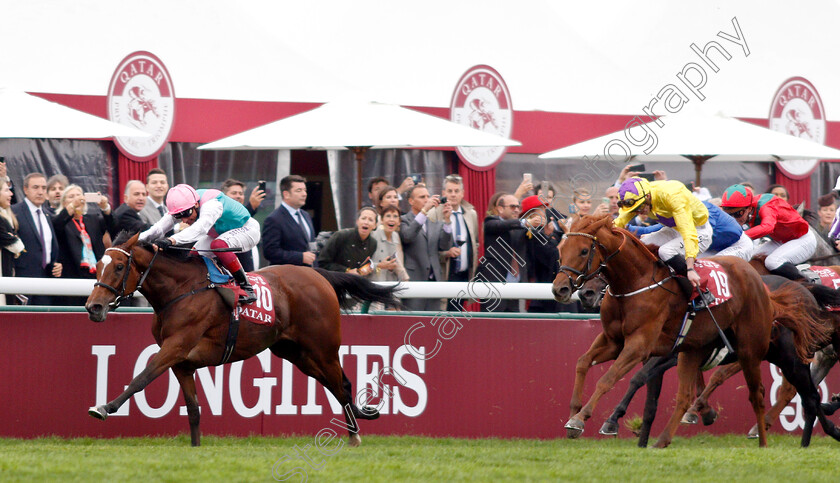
column 127, row 215
column 422, row 242
column 36, row 233
column 504, row 241
column 288, row 231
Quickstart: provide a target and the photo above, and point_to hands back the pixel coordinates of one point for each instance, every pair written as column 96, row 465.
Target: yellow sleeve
column 624, row 217
column 684, row 220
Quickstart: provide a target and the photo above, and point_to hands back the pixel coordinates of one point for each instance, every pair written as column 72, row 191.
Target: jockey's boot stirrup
column 249, row 296
column 788, row 270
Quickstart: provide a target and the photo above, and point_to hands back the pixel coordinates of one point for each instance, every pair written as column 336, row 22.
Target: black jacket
column 70, row 241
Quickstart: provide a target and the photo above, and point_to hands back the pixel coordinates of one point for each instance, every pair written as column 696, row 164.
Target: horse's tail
column 352, row 289
column 799, row 313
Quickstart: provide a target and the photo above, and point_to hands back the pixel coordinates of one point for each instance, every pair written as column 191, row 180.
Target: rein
column 120, row 294
column 588, row 274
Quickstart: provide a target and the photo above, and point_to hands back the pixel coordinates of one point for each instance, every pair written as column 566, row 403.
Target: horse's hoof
column 660, row 444
column 355, row 440
column 710, row 417
column 574, row 428
column 98, row 412
column 609, row 429
column 753, row 434
column 689, row 418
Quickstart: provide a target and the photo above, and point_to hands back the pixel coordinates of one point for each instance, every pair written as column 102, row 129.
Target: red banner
column 474, row 378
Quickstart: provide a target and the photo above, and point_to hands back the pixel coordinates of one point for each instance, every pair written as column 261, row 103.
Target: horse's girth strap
column 233, row 333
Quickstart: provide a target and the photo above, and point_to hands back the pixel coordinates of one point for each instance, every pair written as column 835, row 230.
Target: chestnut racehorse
column 642, row 314
column 192, row 320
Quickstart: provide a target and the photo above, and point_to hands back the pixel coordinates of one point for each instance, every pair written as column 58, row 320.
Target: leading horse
column 642, row 318
column 191, row 321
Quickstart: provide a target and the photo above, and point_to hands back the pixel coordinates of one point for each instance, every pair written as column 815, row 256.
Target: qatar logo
column 798, row 110
column 141, row 96
column 482, row 101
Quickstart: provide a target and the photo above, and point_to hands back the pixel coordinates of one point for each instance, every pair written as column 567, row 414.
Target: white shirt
column 462, row 228
column 301, row 221
column 45, row 222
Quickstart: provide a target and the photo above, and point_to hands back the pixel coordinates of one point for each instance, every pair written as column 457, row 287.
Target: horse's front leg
column 701, row 404
column 654, row 367
column 186, row 377
column 169, row 355
column 601, row 350
column 634, row 351
column 687, row 367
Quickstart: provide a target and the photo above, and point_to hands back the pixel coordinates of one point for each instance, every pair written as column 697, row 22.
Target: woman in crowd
column 80, row 235
column 388, row 257
column 581, row 206
column 779, row 190
column 386, row 197
column 9, row 242
column 350, row 250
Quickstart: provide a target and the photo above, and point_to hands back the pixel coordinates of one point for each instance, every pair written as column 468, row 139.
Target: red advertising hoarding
column 474, row 378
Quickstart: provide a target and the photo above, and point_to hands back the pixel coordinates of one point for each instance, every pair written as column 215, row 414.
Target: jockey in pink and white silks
column 215, row 221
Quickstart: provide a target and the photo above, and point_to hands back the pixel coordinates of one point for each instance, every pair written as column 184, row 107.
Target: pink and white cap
column 180, row 198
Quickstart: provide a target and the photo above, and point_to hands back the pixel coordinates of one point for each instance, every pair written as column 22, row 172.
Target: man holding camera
column 460, row 261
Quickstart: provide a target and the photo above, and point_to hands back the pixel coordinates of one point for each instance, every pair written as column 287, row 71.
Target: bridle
column 120, row 294
column 588, row 273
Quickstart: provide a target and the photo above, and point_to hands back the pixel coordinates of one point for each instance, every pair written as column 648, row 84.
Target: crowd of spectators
column 402, row 233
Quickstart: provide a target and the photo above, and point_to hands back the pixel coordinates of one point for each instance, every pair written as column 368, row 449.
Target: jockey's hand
column 694, row 278
column 163, row 243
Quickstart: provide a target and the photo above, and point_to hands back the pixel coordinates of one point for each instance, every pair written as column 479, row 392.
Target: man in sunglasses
column 215, row 221
column 791, row 239
column 686, row 229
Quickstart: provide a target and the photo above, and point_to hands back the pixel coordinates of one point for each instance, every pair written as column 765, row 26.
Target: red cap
column 531, row 202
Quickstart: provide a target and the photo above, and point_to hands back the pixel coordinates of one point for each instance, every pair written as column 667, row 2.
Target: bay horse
column 782, row 353
column 642, row 315
column 191, row 321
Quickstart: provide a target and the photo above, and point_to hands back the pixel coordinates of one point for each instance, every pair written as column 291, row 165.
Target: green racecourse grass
column 700, row 458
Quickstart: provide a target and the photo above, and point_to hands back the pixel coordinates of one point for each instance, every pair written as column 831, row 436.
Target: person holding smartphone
column 80, row 234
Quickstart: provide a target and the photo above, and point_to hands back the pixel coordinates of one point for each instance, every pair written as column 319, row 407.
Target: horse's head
column 117, row 276
column 592, row 292
column 582, row 254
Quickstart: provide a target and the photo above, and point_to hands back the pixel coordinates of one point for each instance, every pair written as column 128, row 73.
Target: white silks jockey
column 215, row 221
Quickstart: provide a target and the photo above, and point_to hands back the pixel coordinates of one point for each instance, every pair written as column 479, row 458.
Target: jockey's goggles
column 736, row 213
column 184, row 214
column 627, row 203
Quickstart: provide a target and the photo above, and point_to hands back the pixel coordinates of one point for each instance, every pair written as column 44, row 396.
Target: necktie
column 458, row 240
column 161, row 210
column 303, row 226
column 41, row 236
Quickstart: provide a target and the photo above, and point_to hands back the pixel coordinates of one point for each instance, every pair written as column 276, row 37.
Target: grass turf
column 380, row 458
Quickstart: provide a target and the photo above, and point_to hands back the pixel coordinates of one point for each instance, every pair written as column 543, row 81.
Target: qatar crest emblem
column 797, row 110
column 482, row 101
column 141, row 95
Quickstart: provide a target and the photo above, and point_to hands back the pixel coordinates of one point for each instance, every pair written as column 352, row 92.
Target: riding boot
column 680, row 269
column 788, row 270
column 249, row 296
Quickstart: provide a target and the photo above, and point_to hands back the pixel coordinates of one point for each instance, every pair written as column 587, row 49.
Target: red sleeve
column 768, row 223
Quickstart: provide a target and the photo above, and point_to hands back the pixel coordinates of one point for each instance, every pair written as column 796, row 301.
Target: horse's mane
column 176, row 255
column 591, row 221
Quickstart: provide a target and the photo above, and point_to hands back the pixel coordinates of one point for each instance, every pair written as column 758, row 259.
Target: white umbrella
column 26, row 116
column 346, row 124
column 698, row 138
column 359, row 126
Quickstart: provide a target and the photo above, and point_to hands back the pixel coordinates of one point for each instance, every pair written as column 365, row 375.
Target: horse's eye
column 120, row 266
column 584, row 252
